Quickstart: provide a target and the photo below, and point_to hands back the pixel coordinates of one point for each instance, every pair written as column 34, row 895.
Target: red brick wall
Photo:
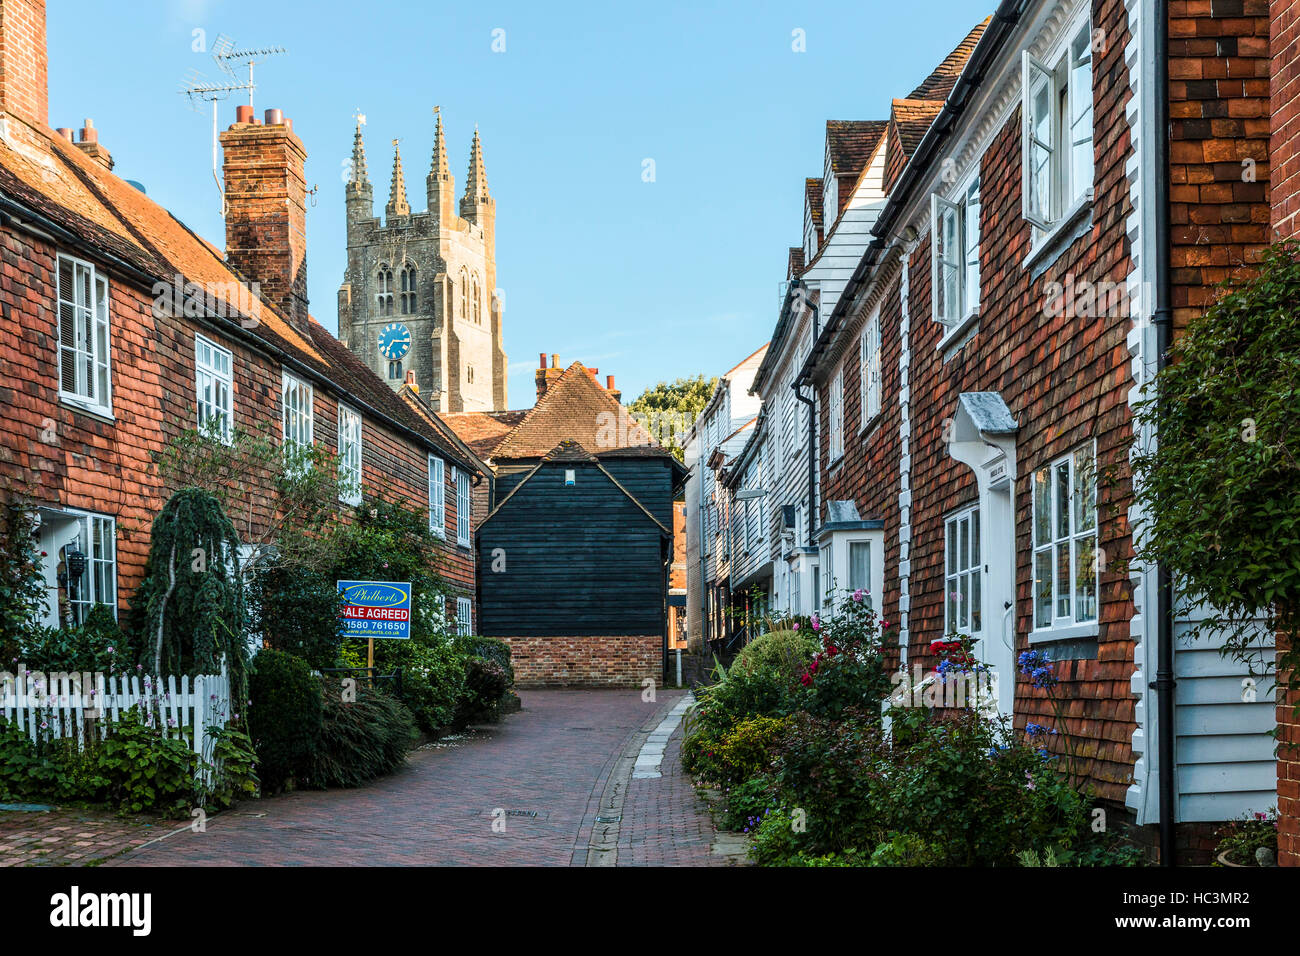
column 108, row 467
column 586, row 661
column 266, row 213
column 24, row 60
column 1219, row 106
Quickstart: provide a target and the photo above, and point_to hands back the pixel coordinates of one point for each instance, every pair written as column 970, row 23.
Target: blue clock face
column 394, row 340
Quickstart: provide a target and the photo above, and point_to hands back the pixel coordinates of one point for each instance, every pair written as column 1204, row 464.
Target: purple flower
column 857, row 596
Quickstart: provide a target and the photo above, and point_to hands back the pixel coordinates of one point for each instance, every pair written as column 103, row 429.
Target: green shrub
column 748, row 803
column 19, row 762
column 298, row 611
column 98, row 645
column 906, row 849
column 433, row 683
column 776, row 841
column 147, row 768
column 787, row 652
column 485, row 687
column 360, row 739
column 236, row 775
column 745, row 751
column 740, row 693
column 1241, row 838
column 284, row 718
column 492, row 648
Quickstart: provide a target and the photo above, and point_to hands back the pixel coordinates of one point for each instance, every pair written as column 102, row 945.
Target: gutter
column 811, row 402
column 1162, row 319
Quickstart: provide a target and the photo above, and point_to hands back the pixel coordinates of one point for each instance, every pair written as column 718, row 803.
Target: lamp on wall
column 570, row 478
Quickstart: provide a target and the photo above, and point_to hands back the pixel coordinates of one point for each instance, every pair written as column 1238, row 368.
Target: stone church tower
column 418, row 295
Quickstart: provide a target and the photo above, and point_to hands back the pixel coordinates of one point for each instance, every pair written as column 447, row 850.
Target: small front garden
column 792, row 736
column 248, row 608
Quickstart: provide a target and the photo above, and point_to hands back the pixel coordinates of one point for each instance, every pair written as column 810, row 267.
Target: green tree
column 22, row 586
column 189, row 610
column 1220, row 489
column 668, row 410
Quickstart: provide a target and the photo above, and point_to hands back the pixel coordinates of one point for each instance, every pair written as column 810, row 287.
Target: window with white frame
column 437, row 497
column 835, row 416
column 84, row 345
column 860, row 568
column 955, row 254
column 464, row 616
column 214, row 388
column 298, row 419
column 1057, row 130
column 349, row 455
column 963, row 578
column 1065, row 542
column 95, row 549
column 869, row 369
column 462, row 507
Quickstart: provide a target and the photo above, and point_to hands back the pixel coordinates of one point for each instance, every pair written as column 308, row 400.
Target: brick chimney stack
column 90, row 145
column 24, row 61
column 266, row 209
column 545, row 376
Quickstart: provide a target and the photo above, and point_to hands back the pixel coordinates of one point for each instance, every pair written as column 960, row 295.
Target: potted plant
column 1249, row 841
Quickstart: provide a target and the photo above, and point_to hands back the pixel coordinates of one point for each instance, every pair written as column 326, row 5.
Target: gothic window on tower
column 395, row 369
column 384, row 297
column 469, row 374
column 408, row 289
column 464, row 293
column 478, row 313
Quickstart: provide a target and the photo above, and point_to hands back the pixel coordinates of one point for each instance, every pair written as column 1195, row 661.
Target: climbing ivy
column 1220, row 489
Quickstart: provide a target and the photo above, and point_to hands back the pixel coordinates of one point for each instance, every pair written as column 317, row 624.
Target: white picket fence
column 50, row 706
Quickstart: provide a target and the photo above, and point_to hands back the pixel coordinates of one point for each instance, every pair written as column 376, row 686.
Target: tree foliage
column 189, row 610
column 22, row 587
column 1222, row 489
column 668, row 410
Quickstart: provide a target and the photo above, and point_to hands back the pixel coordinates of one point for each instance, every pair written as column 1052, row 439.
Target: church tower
column 419, row 291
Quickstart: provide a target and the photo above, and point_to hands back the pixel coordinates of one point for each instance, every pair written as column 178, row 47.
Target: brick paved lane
column 664, row 822
column 552, row 759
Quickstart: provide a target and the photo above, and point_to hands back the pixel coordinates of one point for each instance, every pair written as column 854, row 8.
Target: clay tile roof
column 483, row 431
column 911, row 119
column 576, row 408
column 45, row 173
column 850, row 144
column 813, row 193
column 795, row 268
column 939, row 84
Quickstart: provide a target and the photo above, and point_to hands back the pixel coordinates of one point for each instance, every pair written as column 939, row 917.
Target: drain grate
column 522, row 813
column 614, row 819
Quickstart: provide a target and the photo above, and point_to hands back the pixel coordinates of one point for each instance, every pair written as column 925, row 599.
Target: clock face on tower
column 394, row 341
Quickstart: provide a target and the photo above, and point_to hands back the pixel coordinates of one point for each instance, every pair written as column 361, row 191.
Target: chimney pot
column 555, row 360
column 609, row 383
column 243, row 114
column 66, row 133
column 274, row 117
column 89, row 134
column 543, row 360
column 411, row 383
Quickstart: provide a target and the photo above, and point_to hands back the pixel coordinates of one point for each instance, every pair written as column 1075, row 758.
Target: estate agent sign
column 376, row 609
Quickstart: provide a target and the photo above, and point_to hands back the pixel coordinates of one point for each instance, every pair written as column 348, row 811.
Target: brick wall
column 266, row 212
column 1219, row 108
column 24, row 61
column 586, row 661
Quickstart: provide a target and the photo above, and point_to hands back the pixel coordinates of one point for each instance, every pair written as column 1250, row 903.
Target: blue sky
column 645, row 280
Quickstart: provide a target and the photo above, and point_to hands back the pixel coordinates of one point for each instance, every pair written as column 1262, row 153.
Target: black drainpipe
column 812, row 437
column 1163, row 321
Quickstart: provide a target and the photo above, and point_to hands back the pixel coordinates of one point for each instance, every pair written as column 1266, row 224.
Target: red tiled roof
column 850, row 144
column 939, row 84
column 795, row 266
column 44, row 172
column 483, row 431
column 813, row 193
column 576, row 408
column 911, row 119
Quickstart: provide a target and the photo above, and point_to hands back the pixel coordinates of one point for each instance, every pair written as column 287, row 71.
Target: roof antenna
column 198, row 89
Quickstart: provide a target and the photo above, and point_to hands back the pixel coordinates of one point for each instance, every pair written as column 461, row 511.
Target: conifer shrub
column 284, row 718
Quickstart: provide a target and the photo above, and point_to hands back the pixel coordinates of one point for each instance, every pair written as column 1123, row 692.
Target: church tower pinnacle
column 397, row 204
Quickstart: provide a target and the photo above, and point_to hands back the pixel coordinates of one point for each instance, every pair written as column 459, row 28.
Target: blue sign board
column 376, row 609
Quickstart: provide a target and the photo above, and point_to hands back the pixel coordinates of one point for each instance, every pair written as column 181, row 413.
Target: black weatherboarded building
column 576, row 546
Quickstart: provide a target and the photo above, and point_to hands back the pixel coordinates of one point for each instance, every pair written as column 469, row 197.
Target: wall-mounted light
column 570, row 477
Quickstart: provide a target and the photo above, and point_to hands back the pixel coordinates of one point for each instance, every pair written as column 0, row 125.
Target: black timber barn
column 576, row 544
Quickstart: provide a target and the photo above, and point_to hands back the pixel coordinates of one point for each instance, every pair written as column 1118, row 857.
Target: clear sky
column 645, row 280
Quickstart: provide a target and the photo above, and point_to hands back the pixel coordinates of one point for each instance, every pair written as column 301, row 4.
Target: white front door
column 998, row 535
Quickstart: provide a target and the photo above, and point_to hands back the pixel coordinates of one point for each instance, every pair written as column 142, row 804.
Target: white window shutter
column 1038, row 126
